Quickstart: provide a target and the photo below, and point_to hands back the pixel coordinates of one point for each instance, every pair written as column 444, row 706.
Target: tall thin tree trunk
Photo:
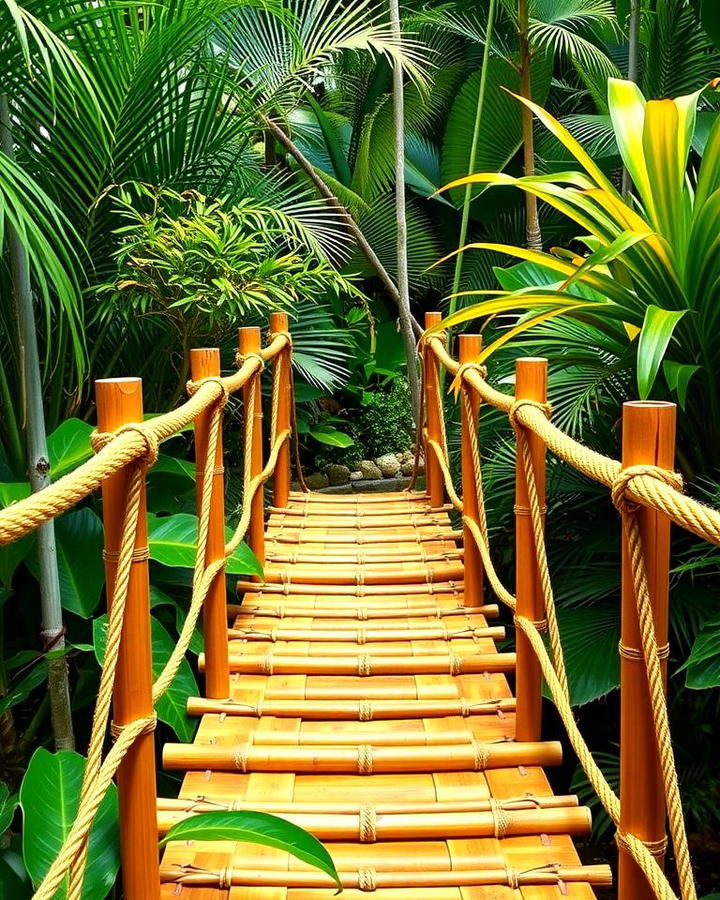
column 473, row 152
column 402, row 249
column 286, row 141
column 533, row 237
column 53, row 631
column 633, row 70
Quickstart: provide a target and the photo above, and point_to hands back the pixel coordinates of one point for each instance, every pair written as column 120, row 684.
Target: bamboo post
column 431, row 384
column 648, row 438
column 530, row 384
column 119, row 402
column 249, row 341
column 281, row 478
column 469, row 346
column 205, row 363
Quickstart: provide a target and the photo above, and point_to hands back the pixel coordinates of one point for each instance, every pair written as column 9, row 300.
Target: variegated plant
column 652, row 273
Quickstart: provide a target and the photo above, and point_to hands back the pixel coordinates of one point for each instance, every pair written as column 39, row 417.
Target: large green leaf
column 326, row 434
column 500, row 133
column 171, row 707
column 657, row 330
column 79, row 542
column 11, row 555
column 256, row 828
column 8, row 804
column 49, row 798
column 703, row 664
column 14, row 881
column 172, row 542
column 590, row 636
column 69, row 446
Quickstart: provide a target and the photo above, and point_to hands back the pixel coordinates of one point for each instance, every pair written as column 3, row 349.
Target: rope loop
column 100, row 439
column 276, row 334
column 192, row 387
column 519, row 403
column 654, row 848
column 241, row 358
column 621, row 484
column 148, row 728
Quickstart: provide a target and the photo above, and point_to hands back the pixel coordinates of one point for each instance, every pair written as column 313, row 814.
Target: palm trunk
column 533, row 237
column 633, row 70
column 333, row 201
column 38, row 469
column 473, row 153
column 402, row 250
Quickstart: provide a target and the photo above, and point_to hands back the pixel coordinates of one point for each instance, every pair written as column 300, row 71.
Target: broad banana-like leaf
column 655, row 335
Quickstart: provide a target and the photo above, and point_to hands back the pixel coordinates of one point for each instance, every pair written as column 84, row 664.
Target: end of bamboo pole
column 279, row 321
column 249, row 339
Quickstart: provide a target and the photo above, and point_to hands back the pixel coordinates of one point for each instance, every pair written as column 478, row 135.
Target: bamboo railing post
column 119, row 402
column 431, row 383
column 469, row 346
column 281, row 477
column 205, row 363
column 250, row 341
column 530, row 384
column 648, row 437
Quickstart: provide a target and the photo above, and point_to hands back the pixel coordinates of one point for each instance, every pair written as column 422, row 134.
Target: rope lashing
column 365, row 711
column 100, row 439
column 242, row 358
column 623, row 480
column 520, row 402
column 367, row 820
column 150, row 724
column 365, row 759
column 481, row 755
column 192, row 387
column 501, row 818
column 240, row 757
column 367, row 879
column 655, row 848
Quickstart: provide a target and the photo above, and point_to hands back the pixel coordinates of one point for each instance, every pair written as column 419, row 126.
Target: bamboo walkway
column 371, row 706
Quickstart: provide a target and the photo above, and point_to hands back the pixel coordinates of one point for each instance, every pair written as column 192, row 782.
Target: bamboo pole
column 433, row 474
column 330, row 826
column 310, row 535
column 205, row 363
column 351, row 710
column 648, row 438
column 469, row 346
column 363, row 759
column 530, row 384
column 366, row 635
column 119, row 402
column 249, row 341
column 281, row 477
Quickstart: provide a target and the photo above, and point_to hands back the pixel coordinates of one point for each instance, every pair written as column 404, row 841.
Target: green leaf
column 256, row 828
column 172, row 542
column 655, row 335
column 678, row 377
column 703, row 665
column 590, row 638
column 160, row 598
column 69, row 447
column 79, row 541
column 11, row 555
column 710, row 18
column 22, row 689
column 49, row 798
column 171, row 707
column 326, row 434
column 14, row 881
column 8, row 805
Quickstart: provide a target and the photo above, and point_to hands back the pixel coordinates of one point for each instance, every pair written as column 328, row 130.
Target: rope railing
column 636, row 490
column 122, row 458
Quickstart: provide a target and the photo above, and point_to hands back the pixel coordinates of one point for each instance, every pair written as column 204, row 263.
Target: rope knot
column 100, row 439
column 276, row 334
column 519, row 403
column 192, row 387
column 241, row 358
column 621, row 484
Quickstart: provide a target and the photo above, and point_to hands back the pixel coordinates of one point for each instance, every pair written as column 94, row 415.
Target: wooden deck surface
column 371, row 707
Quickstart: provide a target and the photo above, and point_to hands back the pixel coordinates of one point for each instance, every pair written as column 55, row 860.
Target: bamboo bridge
column 357, row 689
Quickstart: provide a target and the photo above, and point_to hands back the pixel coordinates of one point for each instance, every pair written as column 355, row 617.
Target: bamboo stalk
column 446, row 758
column 433, row 474
column 453, row 588
column 312, row 534
column 205, row 363
column 249, row 341
column 648, row 437
column 429, row 826
column 361, row 613
column 281, row 477
column 408, row 497
column 119, row 402
column 366, row 665
column 530, row 384
column 366, row 635
column 335, row 511
column 371, row 573
column 598, row 876
column 469, row 347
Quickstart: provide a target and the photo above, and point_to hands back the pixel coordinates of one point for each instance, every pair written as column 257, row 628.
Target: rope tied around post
column 242, row 358
column 192, row 387
column 622, row 482
column 100, row 439
column 520, row 402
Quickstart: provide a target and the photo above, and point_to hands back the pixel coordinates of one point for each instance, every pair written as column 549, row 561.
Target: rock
column 407, row 456
column 317, row 480
column 407, row 467
column 370, row 472
column 388, row 465
column 338, row 474
column 356, row 476
column 399, row 457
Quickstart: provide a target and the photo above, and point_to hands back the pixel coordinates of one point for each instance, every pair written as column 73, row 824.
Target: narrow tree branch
column 333, row 201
